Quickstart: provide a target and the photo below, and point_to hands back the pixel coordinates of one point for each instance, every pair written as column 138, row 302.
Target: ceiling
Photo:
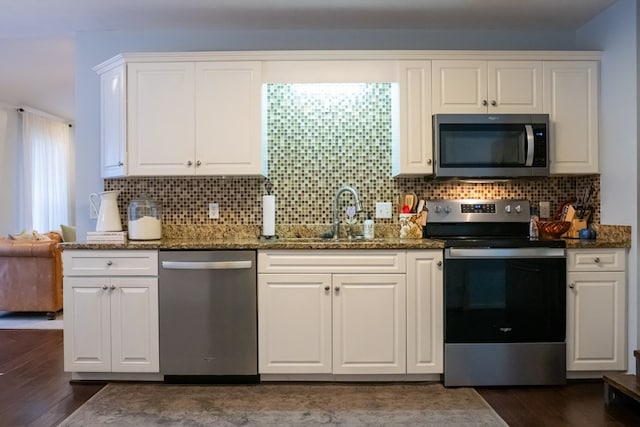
column 37, row 37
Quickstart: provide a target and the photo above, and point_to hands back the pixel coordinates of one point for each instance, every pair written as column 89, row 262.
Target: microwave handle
column 530, row 145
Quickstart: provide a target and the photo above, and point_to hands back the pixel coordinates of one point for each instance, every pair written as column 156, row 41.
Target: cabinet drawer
column 109, row 263
column 332, row 261
column 596, row 260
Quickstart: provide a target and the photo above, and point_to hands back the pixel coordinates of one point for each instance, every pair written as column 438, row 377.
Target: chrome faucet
column 336, row 213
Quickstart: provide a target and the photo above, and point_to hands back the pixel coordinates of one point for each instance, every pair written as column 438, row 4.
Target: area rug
column 287, row 404
column 28, row 320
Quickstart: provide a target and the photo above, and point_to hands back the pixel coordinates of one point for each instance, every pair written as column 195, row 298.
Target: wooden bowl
column 550, row 230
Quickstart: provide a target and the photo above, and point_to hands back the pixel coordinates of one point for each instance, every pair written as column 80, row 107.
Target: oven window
column 505, row 300
column 472, row 145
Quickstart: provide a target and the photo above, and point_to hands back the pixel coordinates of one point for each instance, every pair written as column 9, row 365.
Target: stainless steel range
column 504, row 295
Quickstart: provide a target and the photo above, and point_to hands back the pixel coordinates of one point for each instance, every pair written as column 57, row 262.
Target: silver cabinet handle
column 572, row 285
column 120, row 164
column 494, row 103
column 105, row 287
column 113, row 287
column 109, row 263
column 206, row 265
column 327, row 288
column 429, row 161
column 484, row 102
column 198, row 163
column 439, row 264
column 189, row 163
column 596, row 260
column 337, row 288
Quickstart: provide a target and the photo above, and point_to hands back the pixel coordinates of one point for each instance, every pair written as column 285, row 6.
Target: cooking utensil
column 420, row 207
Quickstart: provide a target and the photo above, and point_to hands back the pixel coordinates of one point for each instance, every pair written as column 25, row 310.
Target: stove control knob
column 518, row 209
column 447, row 209
column 507, row 209
column 438, row 209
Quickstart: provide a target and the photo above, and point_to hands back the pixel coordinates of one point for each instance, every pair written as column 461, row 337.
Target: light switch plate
column 214, row 211
column 545, row 210
column 383, row 210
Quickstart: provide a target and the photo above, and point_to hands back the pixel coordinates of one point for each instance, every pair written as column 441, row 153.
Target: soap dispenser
column 369, row 228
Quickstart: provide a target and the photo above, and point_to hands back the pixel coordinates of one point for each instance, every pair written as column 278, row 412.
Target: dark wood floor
column 35, row 391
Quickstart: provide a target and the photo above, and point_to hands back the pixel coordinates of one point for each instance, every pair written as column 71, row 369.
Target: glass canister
column 145, row 221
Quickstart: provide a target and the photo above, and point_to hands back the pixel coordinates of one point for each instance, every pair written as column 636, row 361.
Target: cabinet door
column 571, row 99
column 596, row 313
column 412, row 149
column 134, row 324
column 515, row 86
column 228, row 118
column 425, row 328
column 87, row 324
column 294, row 323
column 369, row 324
column 160, row 118
column 113, row 122
column 459, row 87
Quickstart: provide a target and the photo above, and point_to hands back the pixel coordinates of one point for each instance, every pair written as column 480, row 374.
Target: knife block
column 576, row 225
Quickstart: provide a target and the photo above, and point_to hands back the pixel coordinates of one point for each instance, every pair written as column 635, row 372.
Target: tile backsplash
column 321, row 137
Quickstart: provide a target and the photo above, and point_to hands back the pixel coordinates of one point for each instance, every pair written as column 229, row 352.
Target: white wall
column 614, row 32
column 9, row 161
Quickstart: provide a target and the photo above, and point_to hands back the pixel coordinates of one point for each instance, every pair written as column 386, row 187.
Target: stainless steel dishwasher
column 208, row 316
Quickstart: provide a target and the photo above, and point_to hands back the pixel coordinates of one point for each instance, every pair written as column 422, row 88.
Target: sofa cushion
column 68, row 233
column 29, row 235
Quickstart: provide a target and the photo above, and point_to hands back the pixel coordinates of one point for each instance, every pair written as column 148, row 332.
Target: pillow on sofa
column 68, row 233
column 29, row 235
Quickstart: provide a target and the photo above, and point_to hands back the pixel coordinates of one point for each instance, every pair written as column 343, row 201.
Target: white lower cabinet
column 111, row 314
column 345, row 312
column 596, row 310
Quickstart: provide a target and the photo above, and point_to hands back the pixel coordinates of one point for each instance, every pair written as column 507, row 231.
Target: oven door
column 514, row 295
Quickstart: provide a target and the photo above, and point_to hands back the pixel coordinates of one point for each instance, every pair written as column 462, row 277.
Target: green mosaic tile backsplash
column 319, row 139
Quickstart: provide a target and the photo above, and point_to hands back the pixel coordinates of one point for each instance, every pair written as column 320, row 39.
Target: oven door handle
column 206, row 265
column 457, row 253
column 530, row 145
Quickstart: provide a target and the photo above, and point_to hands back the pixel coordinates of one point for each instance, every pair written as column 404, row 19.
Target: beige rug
column 306, row 404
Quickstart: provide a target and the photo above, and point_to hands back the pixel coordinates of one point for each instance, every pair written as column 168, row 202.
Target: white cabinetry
column 571, row 99
column 182, row 117
column 111, row 311
column 340, row 312
column 596, row 310
column 350, row 312
column 412, row 152
column 477, row 86
column 113, row 119
column 425, row 317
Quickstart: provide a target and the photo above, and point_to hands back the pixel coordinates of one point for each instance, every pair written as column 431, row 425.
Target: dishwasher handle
column 206, row 265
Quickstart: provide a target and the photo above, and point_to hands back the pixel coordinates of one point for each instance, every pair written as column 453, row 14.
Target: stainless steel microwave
column 490, row 145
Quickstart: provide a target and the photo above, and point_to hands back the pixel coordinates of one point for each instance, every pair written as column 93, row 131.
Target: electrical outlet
column 545, row 210
column 383, row 210
column 214, row 211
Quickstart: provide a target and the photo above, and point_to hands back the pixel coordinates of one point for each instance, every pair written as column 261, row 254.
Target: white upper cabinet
column 161, row 131
column 571, row 99
column 113, row 119
column 228, row 117
column 412, row 152
column 477, row 86
column 180, row 117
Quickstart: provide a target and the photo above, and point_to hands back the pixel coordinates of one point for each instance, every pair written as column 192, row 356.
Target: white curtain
column 46, row 183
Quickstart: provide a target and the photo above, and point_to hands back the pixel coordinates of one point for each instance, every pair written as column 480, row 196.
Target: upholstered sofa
column 31, row 275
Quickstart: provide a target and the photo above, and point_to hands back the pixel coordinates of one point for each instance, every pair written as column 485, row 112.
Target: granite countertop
column 186, row 237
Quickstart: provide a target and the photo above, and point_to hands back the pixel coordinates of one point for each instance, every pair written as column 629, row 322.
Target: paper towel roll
column 269, row 215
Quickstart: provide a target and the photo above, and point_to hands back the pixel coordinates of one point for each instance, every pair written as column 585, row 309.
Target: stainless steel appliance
column 208, row 316
column 490, row 145
column 504, row 295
